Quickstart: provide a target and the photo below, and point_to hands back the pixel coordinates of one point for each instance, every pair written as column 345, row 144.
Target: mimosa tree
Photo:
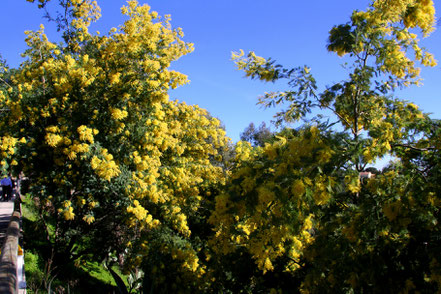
column 300, row 209
column 116, row 167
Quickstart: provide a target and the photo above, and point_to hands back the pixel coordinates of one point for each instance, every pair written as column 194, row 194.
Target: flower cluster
column 290, row 205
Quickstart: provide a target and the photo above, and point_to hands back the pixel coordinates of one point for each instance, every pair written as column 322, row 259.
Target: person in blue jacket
column 6, row 184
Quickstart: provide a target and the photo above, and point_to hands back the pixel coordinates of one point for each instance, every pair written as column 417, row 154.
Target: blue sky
column 292, row 32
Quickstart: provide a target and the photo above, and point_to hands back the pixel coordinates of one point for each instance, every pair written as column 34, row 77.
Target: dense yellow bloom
column 243, row 150
column 68, row 213
column 324, row 155
column 86, row 134
column 95, row 162
column 118, row 114
column 252, row 225
column 8, row 144
column 298, row 188
column 106, row 167
column 80, row 147
column 353, row 183
column 139, row 211
column 115, row 78
column 391, row 210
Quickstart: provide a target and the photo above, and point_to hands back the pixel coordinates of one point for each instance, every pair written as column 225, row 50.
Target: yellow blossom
column 88, row 219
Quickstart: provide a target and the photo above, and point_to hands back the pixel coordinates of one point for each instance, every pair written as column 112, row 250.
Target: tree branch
column 5, row 82
column 414, row 148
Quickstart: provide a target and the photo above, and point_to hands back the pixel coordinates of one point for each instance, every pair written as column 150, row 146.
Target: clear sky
column 292, row 32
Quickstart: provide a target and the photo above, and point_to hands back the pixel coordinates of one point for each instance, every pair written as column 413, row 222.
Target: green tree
column 256, row 136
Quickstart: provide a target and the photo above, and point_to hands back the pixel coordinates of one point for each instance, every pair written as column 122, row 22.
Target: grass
column 26, row 210
column 97, row 271
column 34, row 275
